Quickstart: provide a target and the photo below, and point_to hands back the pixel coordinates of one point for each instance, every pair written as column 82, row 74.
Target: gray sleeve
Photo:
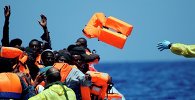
column 76, row 77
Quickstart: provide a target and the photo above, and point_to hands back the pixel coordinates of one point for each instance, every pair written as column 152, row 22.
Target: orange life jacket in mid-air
column 109, row 30
column 10, row 86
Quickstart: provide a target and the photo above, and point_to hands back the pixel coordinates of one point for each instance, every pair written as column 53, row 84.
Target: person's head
column 52, row 75
column 81, row 42
column 35, row 45
column 47, row 57
column 16, row 43
column 63, row 56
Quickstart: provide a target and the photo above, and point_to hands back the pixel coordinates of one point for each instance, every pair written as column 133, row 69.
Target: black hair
column 15, row 42
column 53, row 75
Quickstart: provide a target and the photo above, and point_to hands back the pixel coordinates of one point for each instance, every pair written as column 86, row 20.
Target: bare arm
column 5, row 39
column 45, row 35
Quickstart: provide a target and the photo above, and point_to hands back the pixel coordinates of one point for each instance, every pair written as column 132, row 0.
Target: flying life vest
column 100, row 83
column 10, row 86
column 109, row 30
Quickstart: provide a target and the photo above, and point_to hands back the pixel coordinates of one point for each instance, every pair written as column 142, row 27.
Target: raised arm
column 5, row 39
column 45, row 37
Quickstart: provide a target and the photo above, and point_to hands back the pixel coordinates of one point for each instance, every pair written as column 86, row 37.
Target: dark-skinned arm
column 5, row 39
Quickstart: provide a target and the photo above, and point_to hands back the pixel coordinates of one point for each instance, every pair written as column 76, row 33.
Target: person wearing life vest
column 78, row 52
column 36, row 47
column 79, row 57
column 8, row 62
column 187, row 51
column 70, row 75
column 15, row 53
column 54, row 89
column 83, row 42
column 63, row 56
column 15, row 86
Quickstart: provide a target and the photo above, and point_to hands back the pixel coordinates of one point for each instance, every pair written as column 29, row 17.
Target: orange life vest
column 10, row 86
column 64, row 71
column 100, row 83
column 11, row 52
column 38, row 60
column 116, row 36
column 114, row 96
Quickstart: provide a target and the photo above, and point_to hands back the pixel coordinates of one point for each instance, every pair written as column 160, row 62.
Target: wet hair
column 53, row 75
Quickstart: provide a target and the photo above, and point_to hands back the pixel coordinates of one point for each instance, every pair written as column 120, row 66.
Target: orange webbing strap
column 10, row 52
column 94, row 25
column 112, row 38
column 10, row 82
column 38, row 60
column 64, row 70
column 85, row 93
column 119, row 26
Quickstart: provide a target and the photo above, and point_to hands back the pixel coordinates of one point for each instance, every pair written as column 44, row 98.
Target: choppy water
column 153, row 80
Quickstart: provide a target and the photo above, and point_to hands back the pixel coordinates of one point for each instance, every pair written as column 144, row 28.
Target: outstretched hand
column 163, row 45
column 7, row 11
column 43, row 21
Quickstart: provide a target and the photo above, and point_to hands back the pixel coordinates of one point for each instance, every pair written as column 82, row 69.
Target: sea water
column 153, row 80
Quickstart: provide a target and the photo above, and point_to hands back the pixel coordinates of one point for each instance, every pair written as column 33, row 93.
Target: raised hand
column 7, row 11
column 164, row 45
column 43, row 21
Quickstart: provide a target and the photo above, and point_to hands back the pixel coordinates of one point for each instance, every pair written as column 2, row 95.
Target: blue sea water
column 153, row 80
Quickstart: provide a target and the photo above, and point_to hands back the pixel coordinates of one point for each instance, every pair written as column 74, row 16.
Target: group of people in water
column 37, row 72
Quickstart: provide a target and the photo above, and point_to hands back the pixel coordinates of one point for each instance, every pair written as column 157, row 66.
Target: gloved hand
column 164, row 45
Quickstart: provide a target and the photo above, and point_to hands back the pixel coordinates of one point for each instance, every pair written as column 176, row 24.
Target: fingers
column 43, row 17
column 39, row 22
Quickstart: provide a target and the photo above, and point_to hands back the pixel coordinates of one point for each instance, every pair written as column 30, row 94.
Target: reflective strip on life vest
column 10, row 85
column 95, row 90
